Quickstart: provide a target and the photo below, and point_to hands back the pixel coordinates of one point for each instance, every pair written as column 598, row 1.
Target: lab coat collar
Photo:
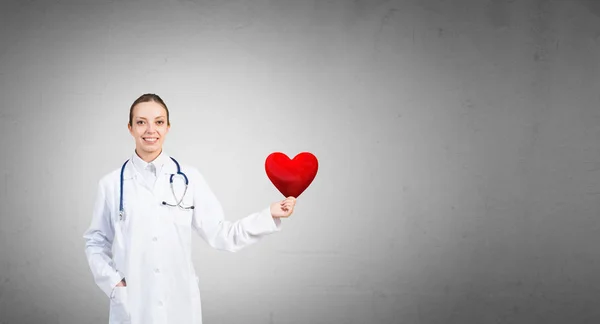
column 159, row 163
column 166, row 165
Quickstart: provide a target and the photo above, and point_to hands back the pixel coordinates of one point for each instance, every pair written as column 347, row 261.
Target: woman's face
column 149, row 127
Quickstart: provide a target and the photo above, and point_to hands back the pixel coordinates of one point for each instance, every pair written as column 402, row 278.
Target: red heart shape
column 291, row 177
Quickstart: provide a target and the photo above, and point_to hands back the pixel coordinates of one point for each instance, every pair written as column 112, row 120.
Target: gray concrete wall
column 459, row 149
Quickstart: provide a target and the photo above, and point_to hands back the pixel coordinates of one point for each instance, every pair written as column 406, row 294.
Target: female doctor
column 139, row 242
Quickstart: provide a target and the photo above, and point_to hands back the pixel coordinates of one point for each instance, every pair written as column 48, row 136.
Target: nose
column 150, row 128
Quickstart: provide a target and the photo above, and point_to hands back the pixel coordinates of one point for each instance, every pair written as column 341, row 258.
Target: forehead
column 149, row 109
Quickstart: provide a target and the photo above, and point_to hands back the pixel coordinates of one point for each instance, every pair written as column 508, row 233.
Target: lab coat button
column 155, row 239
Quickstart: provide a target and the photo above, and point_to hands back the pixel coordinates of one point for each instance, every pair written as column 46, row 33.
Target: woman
column 141, row 257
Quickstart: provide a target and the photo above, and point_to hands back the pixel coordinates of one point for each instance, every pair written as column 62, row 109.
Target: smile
column 150, row 139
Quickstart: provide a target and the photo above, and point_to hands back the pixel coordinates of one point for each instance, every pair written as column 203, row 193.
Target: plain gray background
column 458, row 141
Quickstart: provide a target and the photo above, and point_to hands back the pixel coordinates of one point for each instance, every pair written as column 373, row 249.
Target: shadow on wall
column 593, row 6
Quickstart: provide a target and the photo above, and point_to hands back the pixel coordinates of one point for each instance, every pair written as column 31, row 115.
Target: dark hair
column 148, row 97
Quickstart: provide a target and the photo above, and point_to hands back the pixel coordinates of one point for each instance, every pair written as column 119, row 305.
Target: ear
column 130, row 129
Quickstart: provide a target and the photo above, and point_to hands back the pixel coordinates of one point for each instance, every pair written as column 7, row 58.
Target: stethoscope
column 178, row 202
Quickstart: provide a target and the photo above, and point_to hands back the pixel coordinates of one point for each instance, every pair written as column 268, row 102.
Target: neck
column 148, row 157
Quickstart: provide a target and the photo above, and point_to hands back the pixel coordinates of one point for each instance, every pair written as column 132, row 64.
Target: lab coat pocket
column 119, row 307
column 182, row 217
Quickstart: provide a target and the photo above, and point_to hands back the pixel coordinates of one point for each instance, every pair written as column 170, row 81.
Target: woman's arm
column 98, row 243
column 221, row 234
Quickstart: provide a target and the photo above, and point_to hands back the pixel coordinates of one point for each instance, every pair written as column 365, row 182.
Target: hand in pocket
column 119, row 308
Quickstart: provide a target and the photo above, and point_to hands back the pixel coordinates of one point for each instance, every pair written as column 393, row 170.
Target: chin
column 150, row 148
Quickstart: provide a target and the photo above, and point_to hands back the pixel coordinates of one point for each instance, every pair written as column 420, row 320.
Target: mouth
column 150, row 140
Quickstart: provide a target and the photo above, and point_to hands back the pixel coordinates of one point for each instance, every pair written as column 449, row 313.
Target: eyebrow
column 144, row 118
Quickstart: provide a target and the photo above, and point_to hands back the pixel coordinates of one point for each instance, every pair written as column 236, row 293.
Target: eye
column 160, row 122
column 140, row 122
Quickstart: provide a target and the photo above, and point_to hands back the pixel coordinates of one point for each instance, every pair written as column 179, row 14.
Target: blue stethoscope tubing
column 121, row 211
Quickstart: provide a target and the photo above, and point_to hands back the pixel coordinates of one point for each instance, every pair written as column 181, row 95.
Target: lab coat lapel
column 162, row 188
column 132, row 174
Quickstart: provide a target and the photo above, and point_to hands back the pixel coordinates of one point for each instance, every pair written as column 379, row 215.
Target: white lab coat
column 151, row 246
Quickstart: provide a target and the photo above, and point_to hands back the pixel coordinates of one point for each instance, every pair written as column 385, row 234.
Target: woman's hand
column 283, row 208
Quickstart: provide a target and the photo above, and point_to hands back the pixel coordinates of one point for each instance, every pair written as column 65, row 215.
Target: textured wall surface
column 459, row 149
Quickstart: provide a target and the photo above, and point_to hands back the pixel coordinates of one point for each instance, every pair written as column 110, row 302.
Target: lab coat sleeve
column 98, row 245
column 221, row 234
